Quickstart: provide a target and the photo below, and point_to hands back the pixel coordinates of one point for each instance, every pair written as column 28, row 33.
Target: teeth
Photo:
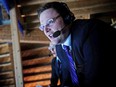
column 50, row 35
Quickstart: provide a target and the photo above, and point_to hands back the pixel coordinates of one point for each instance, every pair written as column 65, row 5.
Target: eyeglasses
column 49, row 23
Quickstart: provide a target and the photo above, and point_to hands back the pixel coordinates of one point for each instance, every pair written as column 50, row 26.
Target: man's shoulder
column 81, row 24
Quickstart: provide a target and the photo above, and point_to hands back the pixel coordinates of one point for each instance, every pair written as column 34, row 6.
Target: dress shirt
column 67, row 42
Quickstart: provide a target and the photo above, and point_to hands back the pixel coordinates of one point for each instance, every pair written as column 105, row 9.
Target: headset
column 66, row 14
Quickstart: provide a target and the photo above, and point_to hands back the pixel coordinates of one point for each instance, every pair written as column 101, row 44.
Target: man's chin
column 55, row 42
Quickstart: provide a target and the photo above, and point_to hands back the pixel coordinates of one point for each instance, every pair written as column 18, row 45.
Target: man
column 92, row 44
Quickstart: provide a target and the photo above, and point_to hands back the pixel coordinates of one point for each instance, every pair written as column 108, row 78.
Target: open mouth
column 51, row 35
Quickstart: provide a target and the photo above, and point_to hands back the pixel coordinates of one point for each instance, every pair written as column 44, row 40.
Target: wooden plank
column 31, row 19
column 35, row 70
column 31, row 25
column 4, row 45
column 37, row 61
column 7, row 81
column 42, row 41
column 43, row 51
column 38, row 77
column 16, row 48
column 8, row 72
column 77, row 2
column 8, row 86
column 34, row 84
column 6, row 75
column 6, row 67
column 31, row 2
column 4, row 48
column 27, row 41
column 5, row 59
column 4, row 55
column 88, row 3
column 5, row 64
column 27, row 10
column 96, row 9
column 29, row 46
column 5, row 33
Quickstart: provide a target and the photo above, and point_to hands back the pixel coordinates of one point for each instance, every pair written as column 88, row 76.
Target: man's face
column 51, row 21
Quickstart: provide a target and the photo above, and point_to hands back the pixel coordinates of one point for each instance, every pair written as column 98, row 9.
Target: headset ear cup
column 69, row 19
column 68, row 16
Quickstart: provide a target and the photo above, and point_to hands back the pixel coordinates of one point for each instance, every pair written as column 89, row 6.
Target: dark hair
column 61, row 8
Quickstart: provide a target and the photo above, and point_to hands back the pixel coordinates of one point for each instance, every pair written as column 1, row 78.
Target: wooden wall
column 36, row 63
column 6, row 66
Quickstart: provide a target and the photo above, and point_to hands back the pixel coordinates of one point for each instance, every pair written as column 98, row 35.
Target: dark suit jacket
column 55, row 73
column 94, row 45
column 59, row 73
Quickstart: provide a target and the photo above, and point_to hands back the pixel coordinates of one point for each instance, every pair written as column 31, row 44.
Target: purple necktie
column 71, row 66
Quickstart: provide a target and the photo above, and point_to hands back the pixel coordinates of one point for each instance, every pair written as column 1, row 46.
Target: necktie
column 71, row 66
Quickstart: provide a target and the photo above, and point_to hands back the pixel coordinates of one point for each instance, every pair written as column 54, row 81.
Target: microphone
column 56, row 34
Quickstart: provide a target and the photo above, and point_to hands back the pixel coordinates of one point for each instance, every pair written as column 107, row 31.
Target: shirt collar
column 68, row 41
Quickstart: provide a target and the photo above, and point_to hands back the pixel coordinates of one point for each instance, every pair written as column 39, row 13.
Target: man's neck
column 67, row 32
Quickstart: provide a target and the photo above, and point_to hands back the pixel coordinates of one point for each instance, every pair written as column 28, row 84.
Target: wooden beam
column 26, row 41
column 5, row 59
column 35, row 2
column 37, row 61
column 5, row 55
column 38, row 77
column 37, row 51
column 6, row 75
column 7, row 82
column 38, row 83
column 6, row 67
column 9, row 86
column 5, row 64
column 96, row 9
column 31, row 19
column 35, row 70
column 16, row 49
column 88, row 3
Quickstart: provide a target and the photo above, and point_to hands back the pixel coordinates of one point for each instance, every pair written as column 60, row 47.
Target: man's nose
column 47, row 29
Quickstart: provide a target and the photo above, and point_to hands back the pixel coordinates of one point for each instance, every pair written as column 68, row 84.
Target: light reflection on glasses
column 49, row 23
